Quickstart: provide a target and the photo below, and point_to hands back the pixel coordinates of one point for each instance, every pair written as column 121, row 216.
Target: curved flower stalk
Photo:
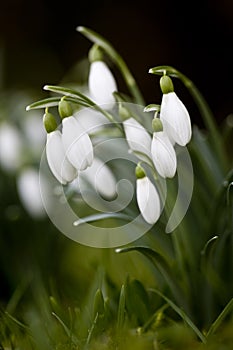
column 100, row 176
column 77, row 144
column 163, row 155
column 174, row 115
column 29, row 192
column 139, row 140
column 147, row 197
column 11, row 147
column 101, row 82
column 60, row 166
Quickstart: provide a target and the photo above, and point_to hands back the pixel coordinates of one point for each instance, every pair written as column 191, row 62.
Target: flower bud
column 166, row 84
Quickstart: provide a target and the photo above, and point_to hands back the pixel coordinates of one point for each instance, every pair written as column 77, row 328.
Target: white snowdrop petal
column 138, row 138
column 148, row 200
column 61, row 168
column 11, row 147
column 29, row 192
column 100, row 176
column 102, row 84
column 176, row 119
column 163, row 155
column 91, row 120
column 77, row 144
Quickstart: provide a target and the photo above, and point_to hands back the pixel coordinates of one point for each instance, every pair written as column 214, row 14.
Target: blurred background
column 39, row 45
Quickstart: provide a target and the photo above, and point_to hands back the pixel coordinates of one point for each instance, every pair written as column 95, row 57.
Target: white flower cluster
column 70, row 151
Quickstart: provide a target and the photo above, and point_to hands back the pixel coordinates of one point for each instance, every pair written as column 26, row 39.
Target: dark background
column 39, row 42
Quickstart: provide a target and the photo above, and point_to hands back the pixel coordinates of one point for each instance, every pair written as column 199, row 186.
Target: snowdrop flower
column 147, row 197
column 101, row 178
column 137, row 137
column 11, row 147
column 77, row 144
column 162, row 151
column 29, row 192
column 60, row 166
column 101, row 82
column 174, row 115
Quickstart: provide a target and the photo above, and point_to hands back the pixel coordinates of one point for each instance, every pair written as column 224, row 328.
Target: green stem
column 117, row 59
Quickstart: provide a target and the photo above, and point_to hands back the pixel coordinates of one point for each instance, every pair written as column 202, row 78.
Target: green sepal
column 50, row 122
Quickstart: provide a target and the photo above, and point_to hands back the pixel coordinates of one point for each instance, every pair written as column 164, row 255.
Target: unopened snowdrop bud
column 100, row 176
column 77, row 144
column 64, row 109
column 60, row 166
column 163, row 155
column 102, row 84
column 49, row 122
column 174, row 115
column 138, row 138
column 11, row 147
column 147, row 197
column 28, row 186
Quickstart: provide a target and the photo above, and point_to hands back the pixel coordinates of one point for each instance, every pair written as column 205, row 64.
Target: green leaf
column 228, row 308
column 45, row 103
column 182, row 314
column 67, row 331
column 98, row 307
column 102, row 216
column 161, row 264
column 204, row 109
column 117, row 59
column 137, row 302
column 121, row 309
column 69, row 92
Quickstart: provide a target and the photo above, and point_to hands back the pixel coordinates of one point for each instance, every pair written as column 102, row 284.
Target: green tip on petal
column 64, row 108
column 166, row 84
column 50, row 122
column 95, row 54
column 139, row 171
column 157, row 125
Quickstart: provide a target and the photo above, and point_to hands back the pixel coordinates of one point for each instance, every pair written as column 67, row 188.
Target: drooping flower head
column 147, row 197
column 173, row 114
column 101, row 82
column 162, row 151
column 59, row 165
